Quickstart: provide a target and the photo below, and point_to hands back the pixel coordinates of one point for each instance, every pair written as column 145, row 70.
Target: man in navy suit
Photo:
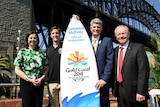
column 132, row 89
column 104, row 56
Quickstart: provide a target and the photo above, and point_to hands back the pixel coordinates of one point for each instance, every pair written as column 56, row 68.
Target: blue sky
column 156, row 4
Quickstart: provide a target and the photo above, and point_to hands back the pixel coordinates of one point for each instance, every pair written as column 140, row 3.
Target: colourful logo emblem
column 76, row 58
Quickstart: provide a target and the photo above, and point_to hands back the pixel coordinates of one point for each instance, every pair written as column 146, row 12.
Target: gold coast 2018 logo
column 79, row 63
column 77, row 58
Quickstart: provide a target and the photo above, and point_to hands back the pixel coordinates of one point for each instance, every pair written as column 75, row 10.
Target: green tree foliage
column 155, row 68
column 4, row 78
column 155, row 41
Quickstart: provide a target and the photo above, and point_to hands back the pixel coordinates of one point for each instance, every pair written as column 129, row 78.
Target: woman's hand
column 35, row 82
column 38, row 81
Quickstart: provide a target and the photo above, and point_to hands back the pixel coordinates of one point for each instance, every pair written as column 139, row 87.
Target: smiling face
column 96, row 29
column 32, row 41
column 122, row 34
column 96, row 26
column 55, row 35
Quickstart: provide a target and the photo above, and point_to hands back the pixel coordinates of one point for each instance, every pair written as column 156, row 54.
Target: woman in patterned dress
column 31, row 67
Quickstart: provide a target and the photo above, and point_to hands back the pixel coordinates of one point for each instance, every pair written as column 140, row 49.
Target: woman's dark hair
column 27, row 36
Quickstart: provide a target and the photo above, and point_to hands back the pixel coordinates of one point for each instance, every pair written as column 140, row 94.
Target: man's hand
column 140, row 97
column 100, row 84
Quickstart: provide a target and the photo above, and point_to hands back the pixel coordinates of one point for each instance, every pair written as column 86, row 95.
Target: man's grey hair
column 96, row 20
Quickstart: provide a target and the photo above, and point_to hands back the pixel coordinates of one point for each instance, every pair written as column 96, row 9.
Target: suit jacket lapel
column 116, row 57
column 127, row 54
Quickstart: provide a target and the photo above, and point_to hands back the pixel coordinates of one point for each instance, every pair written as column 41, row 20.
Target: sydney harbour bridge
column 20, row 16
column 139, row 15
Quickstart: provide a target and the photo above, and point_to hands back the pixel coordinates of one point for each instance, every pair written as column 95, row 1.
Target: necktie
column 120, row 62
column 94, row 45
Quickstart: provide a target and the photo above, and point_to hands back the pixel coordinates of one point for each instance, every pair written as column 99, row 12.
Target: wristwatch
column 27, row 79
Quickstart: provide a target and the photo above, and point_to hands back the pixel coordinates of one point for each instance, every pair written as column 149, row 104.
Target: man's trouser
column 55, row 95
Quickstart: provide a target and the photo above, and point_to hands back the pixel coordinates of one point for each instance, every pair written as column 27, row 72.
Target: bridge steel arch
column 58, row 12
column 139, row 10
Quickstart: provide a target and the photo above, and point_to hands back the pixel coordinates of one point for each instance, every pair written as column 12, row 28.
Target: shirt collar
column 97, row 38
column 125, row 45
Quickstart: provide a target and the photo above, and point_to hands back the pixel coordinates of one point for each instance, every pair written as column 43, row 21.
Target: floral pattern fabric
column 32, row 62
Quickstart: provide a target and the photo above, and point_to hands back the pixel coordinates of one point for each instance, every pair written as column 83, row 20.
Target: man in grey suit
column 104, row 57
column 131, row 88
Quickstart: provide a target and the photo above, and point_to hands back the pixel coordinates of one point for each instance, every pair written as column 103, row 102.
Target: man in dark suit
column 104, row 56
column 132, row 89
